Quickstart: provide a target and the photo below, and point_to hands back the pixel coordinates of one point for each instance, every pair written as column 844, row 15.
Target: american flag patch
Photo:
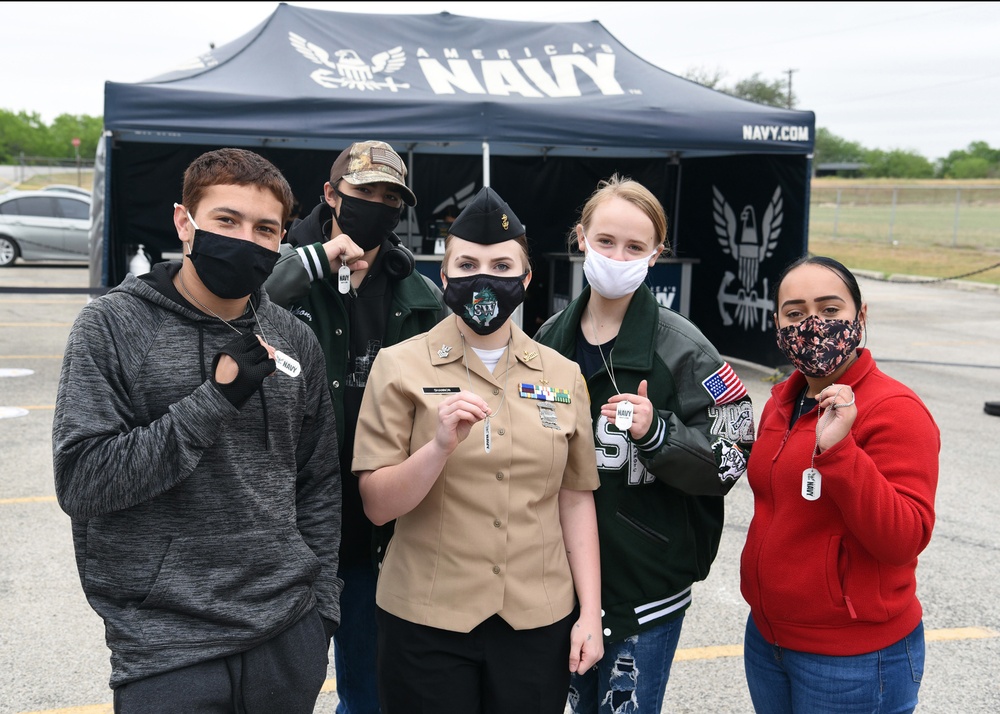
column 543, row 394
column 725, row 386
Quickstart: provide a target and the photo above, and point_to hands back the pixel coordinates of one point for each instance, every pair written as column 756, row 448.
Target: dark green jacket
column 660, row 504
column 303, row 283
column 415, row 308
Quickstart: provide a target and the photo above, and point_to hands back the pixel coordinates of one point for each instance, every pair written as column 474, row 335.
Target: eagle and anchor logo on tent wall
column 750, row 244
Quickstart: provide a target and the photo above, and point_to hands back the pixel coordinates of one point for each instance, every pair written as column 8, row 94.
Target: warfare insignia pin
column 548, row 415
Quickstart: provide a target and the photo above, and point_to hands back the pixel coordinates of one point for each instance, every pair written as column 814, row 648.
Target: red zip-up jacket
column 836, row 575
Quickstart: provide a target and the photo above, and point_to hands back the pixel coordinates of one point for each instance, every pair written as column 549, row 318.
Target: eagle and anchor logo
column 348, row 70
column 750, row 244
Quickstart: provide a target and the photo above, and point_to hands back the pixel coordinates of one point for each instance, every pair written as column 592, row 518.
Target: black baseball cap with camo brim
column 372, row 162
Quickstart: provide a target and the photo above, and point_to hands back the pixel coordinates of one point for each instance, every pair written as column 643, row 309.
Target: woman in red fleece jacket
column 843, row 475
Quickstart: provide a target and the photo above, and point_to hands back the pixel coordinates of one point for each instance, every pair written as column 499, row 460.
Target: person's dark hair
column 830, row 264
column 235, row 167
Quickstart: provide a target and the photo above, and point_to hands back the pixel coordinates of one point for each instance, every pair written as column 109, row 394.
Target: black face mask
column 484, row 301
column 229, row 267
column 368, row 223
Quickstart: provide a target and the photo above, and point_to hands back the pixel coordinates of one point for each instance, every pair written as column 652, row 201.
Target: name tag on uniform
column 442, row 390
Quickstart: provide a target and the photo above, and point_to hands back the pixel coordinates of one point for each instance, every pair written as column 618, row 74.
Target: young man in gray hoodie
column 195, row 449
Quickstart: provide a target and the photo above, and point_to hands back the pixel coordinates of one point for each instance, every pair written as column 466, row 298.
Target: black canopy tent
column 540, row 111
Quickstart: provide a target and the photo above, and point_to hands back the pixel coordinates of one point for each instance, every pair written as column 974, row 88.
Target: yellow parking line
column 89, row 709
column 959, row 633
column 690, row 653
column 27, row 499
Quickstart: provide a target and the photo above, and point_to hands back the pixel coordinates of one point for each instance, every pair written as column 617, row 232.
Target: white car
column 67, row 188
column 44, row 225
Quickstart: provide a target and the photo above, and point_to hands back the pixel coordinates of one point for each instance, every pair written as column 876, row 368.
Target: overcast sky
column 921, row 76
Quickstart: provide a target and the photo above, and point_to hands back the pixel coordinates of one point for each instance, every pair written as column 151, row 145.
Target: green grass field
column 921, row 235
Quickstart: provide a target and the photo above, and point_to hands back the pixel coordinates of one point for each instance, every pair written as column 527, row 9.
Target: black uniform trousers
column 494, row 669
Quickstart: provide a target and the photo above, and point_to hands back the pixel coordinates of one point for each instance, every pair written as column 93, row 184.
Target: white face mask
column 614, row 278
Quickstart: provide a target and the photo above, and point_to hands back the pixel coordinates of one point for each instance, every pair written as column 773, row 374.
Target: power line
column 825, row 33
column 921, row 88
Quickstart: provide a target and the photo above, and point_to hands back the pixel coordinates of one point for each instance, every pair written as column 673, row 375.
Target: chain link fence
column 47, row 170
column 927, row 216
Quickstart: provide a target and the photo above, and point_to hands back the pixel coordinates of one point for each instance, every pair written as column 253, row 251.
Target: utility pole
column 789, row 98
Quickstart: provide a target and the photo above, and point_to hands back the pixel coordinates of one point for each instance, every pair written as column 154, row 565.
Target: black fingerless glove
column 254, row 364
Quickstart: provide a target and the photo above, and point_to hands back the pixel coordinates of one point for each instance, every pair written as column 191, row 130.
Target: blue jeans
column 632, row 675
column 784, row 681
column 354, row 642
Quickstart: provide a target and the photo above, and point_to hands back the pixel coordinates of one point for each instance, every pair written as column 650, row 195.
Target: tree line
column 24, row 134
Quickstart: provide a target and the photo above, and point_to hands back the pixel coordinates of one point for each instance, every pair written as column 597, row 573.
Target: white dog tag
column 623, row 415
column 812, row 482
column 286, row 364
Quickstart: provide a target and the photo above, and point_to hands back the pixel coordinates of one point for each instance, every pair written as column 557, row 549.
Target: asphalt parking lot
column 942, row 341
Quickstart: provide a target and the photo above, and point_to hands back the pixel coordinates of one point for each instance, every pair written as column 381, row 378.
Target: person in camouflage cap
column 346, row 275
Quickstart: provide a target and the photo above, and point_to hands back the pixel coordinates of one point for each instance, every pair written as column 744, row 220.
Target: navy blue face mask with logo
column 484, row 302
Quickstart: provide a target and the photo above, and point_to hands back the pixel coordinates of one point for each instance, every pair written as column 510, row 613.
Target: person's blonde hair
column 635, row 193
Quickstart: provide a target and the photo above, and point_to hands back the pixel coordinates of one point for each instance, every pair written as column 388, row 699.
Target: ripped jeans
column 631, row 677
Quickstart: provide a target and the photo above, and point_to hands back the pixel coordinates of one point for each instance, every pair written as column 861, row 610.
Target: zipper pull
column 850, row 607
column 781, row 446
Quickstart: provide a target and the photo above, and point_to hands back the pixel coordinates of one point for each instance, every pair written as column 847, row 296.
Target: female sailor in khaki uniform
column 479, row 442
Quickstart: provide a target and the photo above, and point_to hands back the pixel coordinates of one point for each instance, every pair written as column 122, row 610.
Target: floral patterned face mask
column 817, row 347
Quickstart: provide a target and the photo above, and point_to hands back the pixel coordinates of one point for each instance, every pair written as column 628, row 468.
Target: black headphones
column 398, row 262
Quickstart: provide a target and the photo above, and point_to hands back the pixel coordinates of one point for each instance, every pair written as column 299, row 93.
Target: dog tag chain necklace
column 812, row 479
column 624, row 408
column 282, row 361
column 487, row 431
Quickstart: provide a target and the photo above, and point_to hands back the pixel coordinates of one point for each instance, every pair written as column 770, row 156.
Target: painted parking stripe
column 27, row 499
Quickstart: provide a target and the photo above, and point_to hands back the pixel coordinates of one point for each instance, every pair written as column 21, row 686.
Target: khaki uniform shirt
column 487, row 538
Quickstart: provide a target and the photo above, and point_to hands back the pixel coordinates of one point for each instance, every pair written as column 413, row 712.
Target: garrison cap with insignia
column 487, row 220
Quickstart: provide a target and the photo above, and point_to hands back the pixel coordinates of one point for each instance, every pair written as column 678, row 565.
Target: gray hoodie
column 200, row 529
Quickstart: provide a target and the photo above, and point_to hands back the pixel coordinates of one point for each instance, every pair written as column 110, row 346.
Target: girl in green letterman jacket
column 673, row 427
